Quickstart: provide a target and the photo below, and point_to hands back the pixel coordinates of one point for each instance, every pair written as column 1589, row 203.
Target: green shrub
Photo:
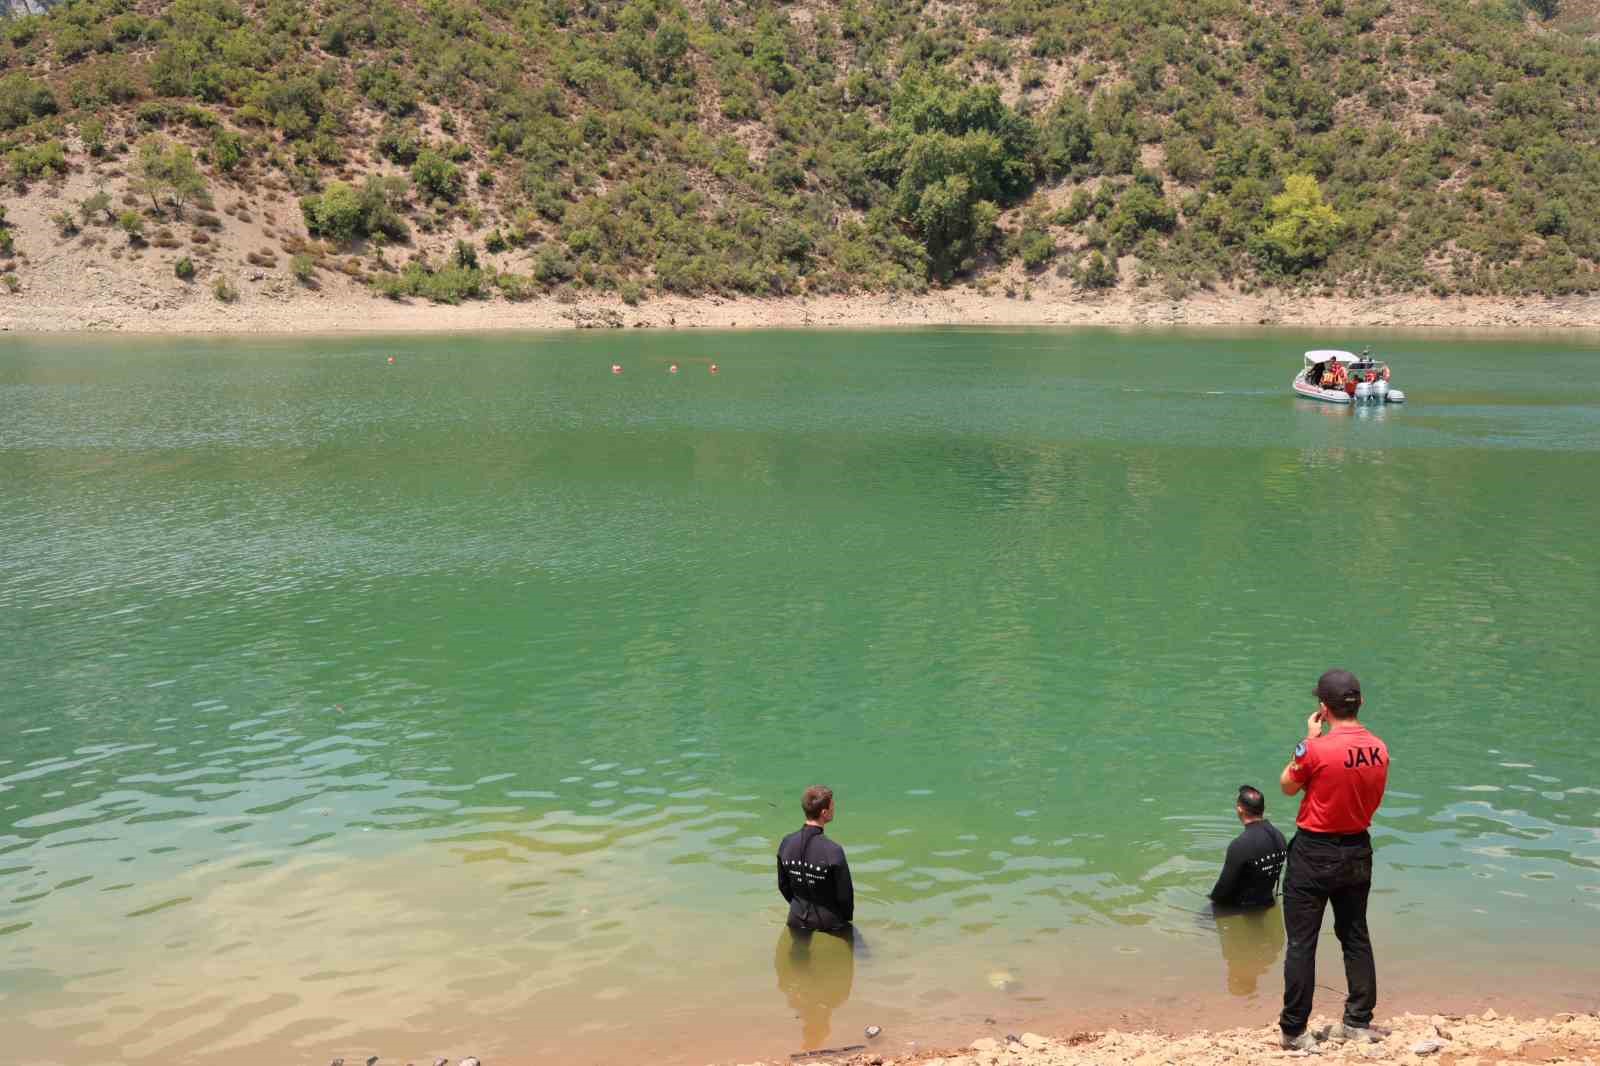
column 335, row 214
column 132, row 223
column 227, row 150
column 303, row 267
column 515, row 286
column 1096, row 272
column 1301, row 229
column 96, row 203
column 35, row 161
column 550, row 266
column 1037, row 249
column 92, row 131
column 1077, row 209
column 400, row 141
column 448, row 285
column 436, row 176
column 343, row 213
column 224, row 290
column 22, row 100
column 184, row 269
column 1554, row 218
column 1139, row 211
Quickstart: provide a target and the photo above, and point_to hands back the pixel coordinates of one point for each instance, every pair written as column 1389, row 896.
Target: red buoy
column 672, row 368
column 715, row 368
column 391, row 360
column 616, row 368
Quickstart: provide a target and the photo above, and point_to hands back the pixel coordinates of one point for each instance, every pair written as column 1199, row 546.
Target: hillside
column 454, row 150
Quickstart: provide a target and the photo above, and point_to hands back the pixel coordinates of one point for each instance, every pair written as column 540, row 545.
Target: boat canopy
column 1322, row 355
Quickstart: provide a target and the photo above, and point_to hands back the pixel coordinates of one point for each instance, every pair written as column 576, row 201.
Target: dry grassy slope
column 256, row 223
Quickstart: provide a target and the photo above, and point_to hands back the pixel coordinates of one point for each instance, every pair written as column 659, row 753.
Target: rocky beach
column 1484, row 1039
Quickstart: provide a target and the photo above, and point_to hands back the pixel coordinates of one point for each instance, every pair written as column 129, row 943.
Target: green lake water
column 457, row 706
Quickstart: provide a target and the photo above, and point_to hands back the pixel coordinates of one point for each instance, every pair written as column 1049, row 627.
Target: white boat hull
column 1302, row 387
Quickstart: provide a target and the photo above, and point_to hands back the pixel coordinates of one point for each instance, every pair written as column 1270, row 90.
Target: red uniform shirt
column 1344, row 774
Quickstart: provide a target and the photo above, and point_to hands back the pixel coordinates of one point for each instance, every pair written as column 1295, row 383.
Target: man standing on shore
column 1343, row 775
column 812, row 873
column 1250, row 871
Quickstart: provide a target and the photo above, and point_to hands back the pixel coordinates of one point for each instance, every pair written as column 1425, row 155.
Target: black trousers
column 1327, row 869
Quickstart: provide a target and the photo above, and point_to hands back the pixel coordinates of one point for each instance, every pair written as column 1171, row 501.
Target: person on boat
column 1335, row 376
column 812, row 873
column 1249, row 875
column 1342, row 776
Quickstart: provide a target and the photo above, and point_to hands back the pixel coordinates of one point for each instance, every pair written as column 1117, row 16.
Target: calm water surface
column 457, row 705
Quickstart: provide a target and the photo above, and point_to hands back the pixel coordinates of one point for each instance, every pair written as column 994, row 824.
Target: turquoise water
column 456, row 706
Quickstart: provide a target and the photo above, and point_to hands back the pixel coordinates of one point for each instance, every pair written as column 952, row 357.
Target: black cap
column 1340, row 691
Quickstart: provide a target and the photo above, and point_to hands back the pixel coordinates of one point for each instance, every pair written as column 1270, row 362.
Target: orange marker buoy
column 391, row 360
column 672, row 368
column 616, row 368
column 715, row 368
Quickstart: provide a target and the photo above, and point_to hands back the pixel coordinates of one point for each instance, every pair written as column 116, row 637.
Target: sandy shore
column 1473, row 1040
column 277, row 306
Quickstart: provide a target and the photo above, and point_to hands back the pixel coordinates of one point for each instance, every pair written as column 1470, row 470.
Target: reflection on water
column 815, row 972
column 344, row 701
column 1252, row 940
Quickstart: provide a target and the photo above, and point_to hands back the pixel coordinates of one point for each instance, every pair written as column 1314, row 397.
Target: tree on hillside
column 955, row 155
column 342, row 213
column 1301, row 229
column 185, row 184
column 436, row 176
column 22, row 100
column 170, row 171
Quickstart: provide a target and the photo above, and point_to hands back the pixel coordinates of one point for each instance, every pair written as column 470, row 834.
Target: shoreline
column 1477, row 1039
column 275, row 310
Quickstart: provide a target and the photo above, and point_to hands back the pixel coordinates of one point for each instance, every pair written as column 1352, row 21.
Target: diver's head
column 817, row 803
column 1251, row 805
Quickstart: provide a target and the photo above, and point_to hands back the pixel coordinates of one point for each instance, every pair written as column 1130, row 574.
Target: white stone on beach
column 1426, row 1047
column 1003, row 980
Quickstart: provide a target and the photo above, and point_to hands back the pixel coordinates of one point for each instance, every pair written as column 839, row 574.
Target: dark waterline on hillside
column 457, row 705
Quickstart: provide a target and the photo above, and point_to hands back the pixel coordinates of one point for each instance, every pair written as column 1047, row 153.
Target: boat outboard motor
column 1363, row 391
column 1396, row 396
column 1380, row 391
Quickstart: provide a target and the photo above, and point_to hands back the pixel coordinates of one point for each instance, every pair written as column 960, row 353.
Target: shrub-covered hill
column 453, row 148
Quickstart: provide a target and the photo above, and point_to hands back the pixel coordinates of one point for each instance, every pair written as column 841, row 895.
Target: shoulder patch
column 1300, row 750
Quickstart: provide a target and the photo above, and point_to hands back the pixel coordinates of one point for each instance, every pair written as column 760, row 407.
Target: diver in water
column 1249, row 875
column 812, row 873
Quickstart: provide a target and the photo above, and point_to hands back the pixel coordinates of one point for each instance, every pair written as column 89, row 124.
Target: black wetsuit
column 814, row 878
column 1249, row 875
